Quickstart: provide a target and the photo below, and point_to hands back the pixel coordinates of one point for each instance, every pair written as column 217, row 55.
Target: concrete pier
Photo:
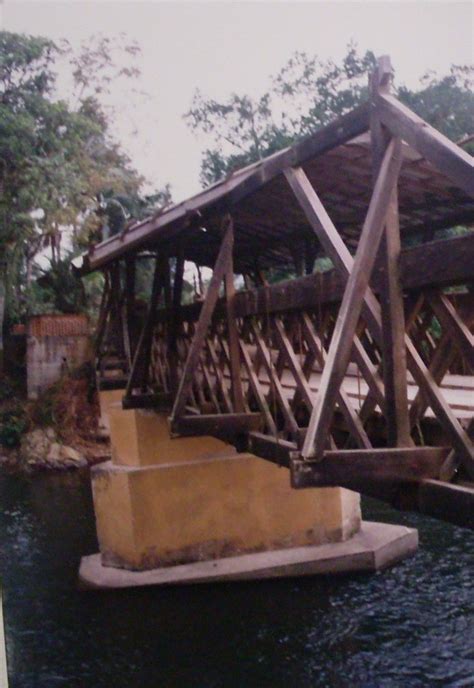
column 165, row 502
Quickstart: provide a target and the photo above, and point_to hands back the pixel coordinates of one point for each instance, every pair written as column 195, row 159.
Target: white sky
column 224, row 46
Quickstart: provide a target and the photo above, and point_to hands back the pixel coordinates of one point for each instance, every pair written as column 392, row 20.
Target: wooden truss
column 341, row 376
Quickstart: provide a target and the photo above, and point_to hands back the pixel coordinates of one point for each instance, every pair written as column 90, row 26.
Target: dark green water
column 412, row 625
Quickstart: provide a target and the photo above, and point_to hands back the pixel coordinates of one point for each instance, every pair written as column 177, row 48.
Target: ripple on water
column 411, row 625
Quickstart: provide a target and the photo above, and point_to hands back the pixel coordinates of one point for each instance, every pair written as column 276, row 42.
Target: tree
column 57, row 157
column 306, row 95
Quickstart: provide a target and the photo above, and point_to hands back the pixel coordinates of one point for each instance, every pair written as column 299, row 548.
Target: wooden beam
column 302, row 386
column 256, row 389
column 228, row 425
column 272, row 449
column 234, row 350
column 174, row 321
column 130, row 302
column 449, row 159
column 343, row 262
column 352, row 419
column 205, row 316
column 344, row 467
column 453, row 503
column 219, row 375
column 349, row 313
column 168, row 224
column 391, row 294
column 139, row 371
column 275, row 384
column 156, row 402
column 441, row 263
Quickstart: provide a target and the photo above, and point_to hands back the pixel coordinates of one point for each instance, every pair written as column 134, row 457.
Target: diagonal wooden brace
column 343, row 262
column 224, row 259
column 349, row 313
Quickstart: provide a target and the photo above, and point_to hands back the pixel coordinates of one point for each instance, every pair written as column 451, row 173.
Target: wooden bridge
column 361, row 375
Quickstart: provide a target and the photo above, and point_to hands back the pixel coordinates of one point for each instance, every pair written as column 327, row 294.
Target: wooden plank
column 443, row 412
column 391, row 294
column 210, row 386
column 343, row 467
column 451, row 160
column 185, row 384
column 370, row 374
column 343, row 262
column 349, row 313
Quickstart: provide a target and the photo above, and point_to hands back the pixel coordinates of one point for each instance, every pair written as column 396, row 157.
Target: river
column 410, row 626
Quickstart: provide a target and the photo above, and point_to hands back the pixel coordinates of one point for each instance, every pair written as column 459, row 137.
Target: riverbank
column 59, row 431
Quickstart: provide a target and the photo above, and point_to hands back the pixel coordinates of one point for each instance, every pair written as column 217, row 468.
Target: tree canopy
column 306, row 95
column 62, row 177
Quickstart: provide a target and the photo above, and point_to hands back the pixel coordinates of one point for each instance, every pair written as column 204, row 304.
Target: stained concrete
column 209, row 508
column 374, row 547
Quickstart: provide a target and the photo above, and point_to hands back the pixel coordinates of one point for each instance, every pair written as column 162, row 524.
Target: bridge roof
column 269, row 225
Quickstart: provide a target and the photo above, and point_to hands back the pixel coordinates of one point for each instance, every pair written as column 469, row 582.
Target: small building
column 55, row 343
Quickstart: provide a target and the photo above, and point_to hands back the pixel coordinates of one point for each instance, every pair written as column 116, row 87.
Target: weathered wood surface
column 344, row 264
column 450, row 159
column 441, row 263
column 341, row 343
column 226, row 425
column 345, row 467
column 391, row 293
column 328, row 366
column 223, row 259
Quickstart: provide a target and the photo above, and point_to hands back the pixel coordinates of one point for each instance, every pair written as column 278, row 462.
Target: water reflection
column 409, row 626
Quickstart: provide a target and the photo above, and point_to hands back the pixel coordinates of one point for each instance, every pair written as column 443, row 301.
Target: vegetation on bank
column 64, row 419
column 64, row 181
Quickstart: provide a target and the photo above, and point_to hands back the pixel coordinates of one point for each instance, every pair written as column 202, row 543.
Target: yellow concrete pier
column 164, row 501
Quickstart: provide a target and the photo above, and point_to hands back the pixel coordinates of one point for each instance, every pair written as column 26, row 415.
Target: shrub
column 13, row 424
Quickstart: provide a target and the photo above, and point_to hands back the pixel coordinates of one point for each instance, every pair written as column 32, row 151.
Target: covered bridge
column 359, row 376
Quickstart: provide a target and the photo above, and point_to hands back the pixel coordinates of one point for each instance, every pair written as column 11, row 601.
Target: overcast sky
column 224, row 46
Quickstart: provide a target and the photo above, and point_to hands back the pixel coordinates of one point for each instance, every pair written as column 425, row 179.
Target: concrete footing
column 374, row 547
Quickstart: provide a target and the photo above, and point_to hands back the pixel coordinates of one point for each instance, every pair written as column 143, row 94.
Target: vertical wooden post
column 174, row 322
column 234, row 349
column 116, row 330
column 141, row 361
column 205, row 316
column 391, row 294
column 130, row 279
